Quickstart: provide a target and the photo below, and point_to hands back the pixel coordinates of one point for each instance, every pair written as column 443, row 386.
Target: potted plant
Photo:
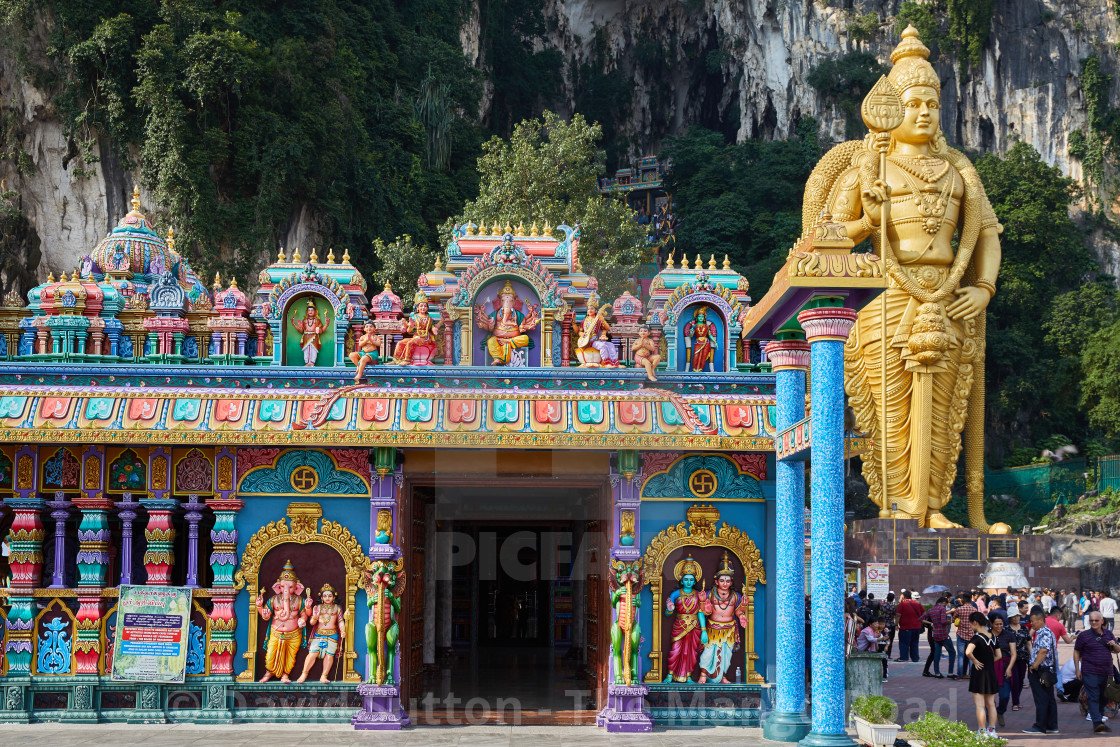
column 932, row 730
column 874, row 717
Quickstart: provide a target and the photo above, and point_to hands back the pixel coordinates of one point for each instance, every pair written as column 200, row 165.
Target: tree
column 547, row 171
column 743, row 200
column 1101, row 361
column 1033, row 377
column 402, row 262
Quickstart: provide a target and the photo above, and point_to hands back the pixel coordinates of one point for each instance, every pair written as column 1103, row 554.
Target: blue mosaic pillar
column 826, row 326
column 788, row 723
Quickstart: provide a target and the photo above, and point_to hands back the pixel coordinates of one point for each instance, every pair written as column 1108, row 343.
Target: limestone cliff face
column 736, row 65
column 750, row 60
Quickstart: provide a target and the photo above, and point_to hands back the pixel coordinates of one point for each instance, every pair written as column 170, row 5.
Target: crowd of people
column 1003, row 642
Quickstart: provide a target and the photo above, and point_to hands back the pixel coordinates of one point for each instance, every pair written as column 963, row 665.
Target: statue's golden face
column 923, row 115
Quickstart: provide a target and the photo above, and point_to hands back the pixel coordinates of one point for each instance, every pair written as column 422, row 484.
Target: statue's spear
column 882, row 112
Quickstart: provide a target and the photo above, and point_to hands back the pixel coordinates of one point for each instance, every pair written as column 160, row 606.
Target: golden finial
column 295, row 256
column 509, row 228
column 699, row 264
column 520, row 230
column 233, row 283
column 330, row 256
column 468, row 230
column 217, row 281
column 50, row 277
column 533, row 230
column 684, row 261
column 712, row 262
column 439, row 264
column 577, row 267
column 547, row 230
column 281, row 257
column 136, row 199
column 171, row 239
column 726, row 263
column 314, row 258
column 74, row 276
column 669, row 263
column 345, row 256
column 388, row 288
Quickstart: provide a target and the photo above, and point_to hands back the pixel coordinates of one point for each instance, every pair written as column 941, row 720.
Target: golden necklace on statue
column 930, row 201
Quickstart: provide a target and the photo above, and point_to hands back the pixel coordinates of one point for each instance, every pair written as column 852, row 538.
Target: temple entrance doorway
column 506, row 615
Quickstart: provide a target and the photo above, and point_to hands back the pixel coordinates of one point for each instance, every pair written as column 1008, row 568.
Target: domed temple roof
column 133, row 245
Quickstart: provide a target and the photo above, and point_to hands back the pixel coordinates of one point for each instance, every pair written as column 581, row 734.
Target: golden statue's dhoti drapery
column 926, row 404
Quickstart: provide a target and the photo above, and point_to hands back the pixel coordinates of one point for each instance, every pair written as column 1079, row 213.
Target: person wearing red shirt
column 1056, row 627
column 909, row 614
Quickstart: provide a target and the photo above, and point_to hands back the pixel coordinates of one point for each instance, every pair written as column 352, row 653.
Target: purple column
column 194, row 514
column 60, row 512
column 126, row 510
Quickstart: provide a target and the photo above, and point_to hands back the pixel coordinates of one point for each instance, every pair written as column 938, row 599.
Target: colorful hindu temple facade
column 646, row 453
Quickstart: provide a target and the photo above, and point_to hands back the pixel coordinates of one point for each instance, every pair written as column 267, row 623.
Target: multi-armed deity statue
column 285, row 612
column 508, row 326
column 915, row 360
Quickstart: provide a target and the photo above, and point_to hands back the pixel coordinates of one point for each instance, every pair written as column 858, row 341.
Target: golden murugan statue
column 932, row 315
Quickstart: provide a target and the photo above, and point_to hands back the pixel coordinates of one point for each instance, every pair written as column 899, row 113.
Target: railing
column 1025, row 494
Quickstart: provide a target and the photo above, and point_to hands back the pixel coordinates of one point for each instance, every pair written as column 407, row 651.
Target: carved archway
column 305, row 528
column 700, row 531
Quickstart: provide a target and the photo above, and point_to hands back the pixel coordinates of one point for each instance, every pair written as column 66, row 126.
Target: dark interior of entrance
column 507, row 625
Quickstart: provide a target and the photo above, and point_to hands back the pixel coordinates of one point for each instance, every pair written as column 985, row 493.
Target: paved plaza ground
column 914, row 693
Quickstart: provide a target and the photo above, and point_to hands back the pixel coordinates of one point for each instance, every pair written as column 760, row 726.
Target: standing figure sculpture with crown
column 328, row 627
column 419, row 349
column 689, row 632
column 700, row 341
column 726, row 610
column 507, row 325
column 311, row 329
column 914, row 362
column 285, row 611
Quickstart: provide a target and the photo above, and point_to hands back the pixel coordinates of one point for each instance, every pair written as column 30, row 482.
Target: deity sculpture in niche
column 383, row 597
column 328, row 627
column 626, row 636
column 726, row 610
column 419, row 349
column 286, row 611
column 933, row 312
column 594, row 348
column 311, row 329
column 368, row 345
column 507, row 325
column 689, row 632
column 700, row 342
column 645, row 352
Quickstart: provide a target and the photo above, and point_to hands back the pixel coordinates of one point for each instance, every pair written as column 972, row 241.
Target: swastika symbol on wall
column 304, row 479
column 702, row 483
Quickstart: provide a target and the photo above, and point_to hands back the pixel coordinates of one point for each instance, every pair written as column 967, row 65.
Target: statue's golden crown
column 911, row 64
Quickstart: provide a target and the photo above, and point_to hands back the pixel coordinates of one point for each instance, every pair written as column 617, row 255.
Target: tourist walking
column 941, row 622
column 963, row 614
column 886, row 614
column 908, row 615
column 984, row 656
column 1043, row 674
column 1022, row 634
column 1108, row 611
column 1069, row 609
column 1084, row 605
column 1004, row 638
column 1092, row 663
column 1056, row 627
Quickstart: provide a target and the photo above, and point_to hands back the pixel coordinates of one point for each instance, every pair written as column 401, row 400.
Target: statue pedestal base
column 381, row 708
column 626, row 710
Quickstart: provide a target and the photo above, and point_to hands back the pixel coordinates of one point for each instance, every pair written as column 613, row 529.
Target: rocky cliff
column 740, row 66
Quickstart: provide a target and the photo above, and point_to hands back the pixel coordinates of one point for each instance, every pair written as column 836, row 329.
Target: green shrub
column 877, row 709
column 936, row 731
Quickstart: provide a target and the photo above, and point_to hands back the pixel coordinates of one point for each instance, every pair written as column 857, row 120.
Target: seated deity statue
column 507, row 326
